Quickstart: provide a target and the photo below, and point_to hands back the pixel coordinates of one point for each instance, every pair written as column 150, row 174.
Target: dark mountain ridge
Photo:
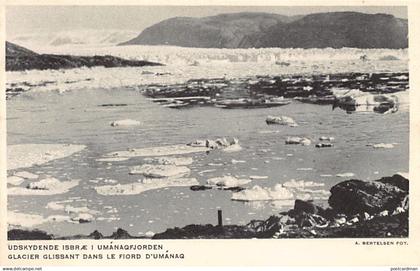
column 261, row 30
column 19, row 58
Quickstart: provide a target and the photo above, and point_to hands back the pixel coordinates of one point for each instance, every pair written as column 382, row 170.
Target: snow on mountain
column 73, row 37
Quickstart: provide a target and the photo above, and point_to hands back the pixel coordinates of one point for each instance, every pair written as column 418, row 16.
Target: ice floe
column 145, row 185
column 160, row 171
column 233, row 148
column 256, row 177
column 15, row 180
column 298, row 140
column 177, row 161
column 234, row 161
column 25, row 175
column 281, row 120
column 125, row 123
column 157, row 151
column 113, row 159
column 301, row 184
column 48, row 186
column 24, row 220
column 383, row 146
column 345, row 175
column 27, row 155
column 227, row 181
column 326, row 138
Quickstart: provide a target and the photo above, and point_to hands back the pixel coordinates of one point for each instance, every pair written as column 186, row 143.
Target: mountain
column 220, row 31
column 19, row 58
column 261, row 30
column 91, row 37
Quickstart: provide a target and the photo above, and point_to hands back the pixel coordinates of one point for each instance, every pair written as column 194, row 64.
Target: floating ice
column 145, row 185
column 177, row 161
column 157, row 151
column 48, row 186
column 160, row 171
column 112, row 159
column 298, row 140
column 301, row 184
column 255, row 177
column 240, row 63
column 15, row 180
column 27, row 155
column 26, row 175
column 304, row 169
column 206, row 171
column 125, row 122
column 258, row 193
column 282, row 120
column 233, row 161
column 24, row 220
column 233, row 148
column 345, row 175
column 327, row 138
column 227, row 181
column 383, row 146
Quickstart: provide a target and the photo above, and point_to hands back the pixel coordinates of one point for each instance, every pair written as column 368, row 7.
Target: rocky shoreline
column 20, row 59
column 356, row 209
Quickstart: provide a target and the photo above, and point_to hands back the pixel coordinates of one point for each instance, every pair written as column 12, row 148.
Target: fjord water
column 77, row 117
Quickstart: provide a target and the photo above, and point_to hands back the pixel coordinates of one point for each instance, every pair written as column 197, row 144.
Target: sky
column 29, row 19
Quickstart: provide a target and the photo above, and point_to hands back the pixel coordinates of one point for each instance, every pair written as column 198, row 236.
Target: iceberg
column 144, row 185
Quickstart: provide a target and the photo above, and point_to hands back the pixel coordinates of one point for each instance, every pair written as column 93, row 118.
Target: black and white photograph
column 207, row 122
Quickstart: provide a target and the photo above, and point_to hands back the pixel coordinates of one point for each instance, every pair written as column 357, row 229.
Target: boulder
column 355, row 196
column 307, row 207
column 120, row 234
column 396, row 180
column 200, row 187
column 96, row 235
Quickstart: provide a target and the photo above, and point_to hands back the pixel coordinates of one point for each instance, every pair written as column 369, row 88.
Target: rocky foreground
column 20, row 59
column 356, row 209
